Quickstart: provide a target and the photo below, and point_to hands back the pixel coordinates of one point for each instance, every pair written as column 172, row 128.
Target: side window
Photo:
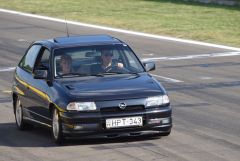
column 28, row 61
column 132, row 60
column 44, row 60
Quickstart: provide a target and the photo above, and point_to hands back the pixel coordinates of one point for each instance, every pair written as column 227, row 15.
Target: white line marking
column 167, row 79
column 151, row 54
column 213, row 55
column 22, row 40
column 121, row 30
column 7, row 91
column 206, row 78
column 7, row 69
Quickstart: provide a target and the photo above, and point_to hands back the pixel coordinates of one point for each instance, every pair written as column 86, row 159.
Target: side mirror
column 40, row 74
column 149, row 66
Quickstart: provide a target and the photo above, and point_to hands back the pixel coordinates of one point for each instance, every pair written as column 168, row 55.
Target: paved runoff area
column 203, row 82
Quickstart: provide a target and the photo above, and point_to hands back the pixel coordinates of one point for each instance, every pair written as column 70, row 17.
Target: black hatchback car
column 89, row 86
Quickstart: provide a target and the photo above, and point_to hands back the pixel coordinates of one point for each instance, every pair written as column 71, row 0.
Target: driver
column 106, row 63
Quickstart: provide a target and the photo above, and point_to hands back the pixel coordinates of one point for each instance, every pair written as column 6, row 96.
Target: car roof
column 80, row 40
column 85, row 39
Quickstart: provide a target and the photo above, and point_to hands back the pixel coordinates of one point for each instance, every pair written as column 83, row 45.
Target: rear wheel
column 57, row 127
column 21, row 124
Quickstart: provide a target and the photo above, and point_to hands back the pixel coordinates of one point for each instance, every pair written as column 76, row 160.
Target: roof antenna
column 66, row 27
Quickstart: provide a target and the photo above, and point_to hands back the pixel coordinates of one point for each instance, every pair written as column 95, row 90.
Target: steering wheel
column 117, row 69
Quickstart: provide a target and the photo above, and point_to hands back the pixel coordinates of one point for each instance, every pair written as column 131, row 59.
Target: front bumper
column 91, row 125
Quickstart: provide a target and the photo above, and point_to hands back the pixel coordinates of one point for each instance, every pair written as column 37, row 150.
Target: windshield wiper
column 134, row 73
column 74, row 74
column 97, row 75
column 106, row 73
column 112, row 73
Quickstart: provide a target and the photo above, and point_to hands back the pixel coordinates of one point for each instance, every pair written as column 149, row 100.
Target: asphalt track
column 205, row 101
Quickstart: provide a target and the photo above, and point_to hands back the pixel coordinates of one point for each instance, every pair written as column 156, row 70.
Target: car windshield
column 96, row 60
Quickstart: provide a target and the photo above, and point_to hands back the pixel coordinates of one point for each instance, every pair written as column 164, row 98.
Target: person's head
column 66, row 63
column 106, row 56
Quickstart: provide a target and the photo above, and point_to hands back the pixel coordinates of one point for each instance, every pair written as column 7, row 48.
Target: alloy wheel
column 55, row 124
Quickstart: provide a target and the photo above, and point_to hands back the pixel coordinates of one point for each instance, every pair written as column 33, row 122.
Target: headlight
column 81, row 106
column 157, row 101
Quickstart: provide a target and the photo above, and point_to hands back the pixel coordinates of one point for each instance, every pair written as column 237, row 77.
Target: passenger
column 106, row 63
column 66, row 64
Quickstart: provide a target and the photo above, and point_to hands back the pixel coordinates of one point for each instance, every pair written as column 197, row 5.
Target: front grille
column 118, row 110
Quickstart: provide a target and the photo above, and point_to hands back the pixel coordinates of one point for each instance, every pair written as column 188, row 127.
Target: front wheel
column 57, row 127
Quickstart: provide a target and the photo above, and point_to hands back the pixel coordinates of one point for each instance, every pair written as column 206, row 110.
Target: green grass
column 209, row 23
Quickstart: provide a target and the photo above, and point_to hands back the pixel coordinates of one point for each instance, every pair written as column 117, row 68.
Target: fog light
column 154, row 121
column 78, row 127
column 166, row 121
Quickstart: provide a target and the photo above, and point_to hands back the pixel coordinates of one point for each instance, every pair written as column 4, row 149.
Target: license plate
column 124, row 122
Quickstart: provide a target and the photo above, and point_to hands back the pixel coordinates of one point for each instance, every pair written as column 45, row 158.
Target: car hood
column 112, row 87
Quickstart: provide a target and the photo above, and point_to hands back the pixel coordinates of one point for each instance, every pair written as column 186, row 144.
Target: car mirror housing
column 149, row 66
column 40, row 74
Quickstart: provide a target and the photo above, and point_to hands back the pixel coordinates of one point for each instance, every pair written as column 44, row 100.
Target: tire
column 57, row 133
column 20, row 122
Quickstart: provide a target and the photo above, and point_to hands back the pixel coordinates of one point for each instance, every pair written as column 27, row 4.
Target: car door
column 38, row 94
column 35, row 100
column 23, row 77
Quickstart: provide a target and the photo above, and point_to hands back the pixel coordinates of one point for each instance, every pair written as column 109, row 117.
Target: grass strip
column 190, row 20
